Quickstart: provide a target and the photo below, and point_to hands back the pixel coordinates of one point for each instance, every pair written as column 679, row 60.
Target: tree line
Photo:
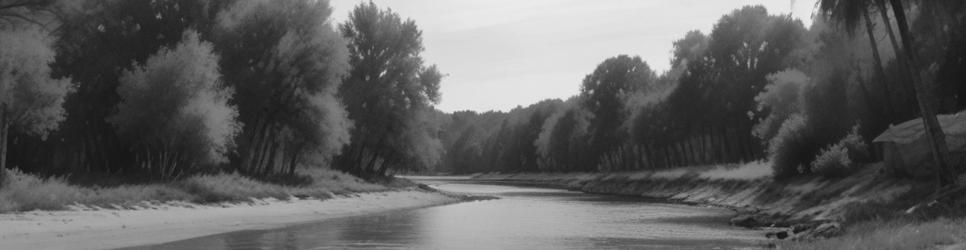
column 170, row 88
column 759, row 86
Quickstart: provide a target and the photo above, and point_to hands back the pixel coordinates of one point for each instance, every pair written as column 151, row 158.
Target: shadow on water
column 524, row 218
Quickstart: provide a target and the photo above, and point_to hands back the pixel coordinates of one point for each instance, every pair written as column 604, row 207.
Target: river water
column 523, row 218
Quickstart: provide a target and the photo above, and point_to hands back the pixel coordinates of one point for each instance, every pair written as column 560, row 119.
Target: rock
column 781, row 235
column 827, row 230
column 745, row 220
column 425, row 187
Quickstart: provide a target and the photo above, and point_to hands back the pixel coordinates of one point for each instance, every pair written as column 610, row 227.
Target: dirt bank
column 99, row 228
column 808, row 207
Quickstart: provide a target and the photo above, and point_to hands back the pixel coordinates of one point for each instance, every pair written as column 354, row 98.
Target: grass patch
column 894, row 234
column 24, row 192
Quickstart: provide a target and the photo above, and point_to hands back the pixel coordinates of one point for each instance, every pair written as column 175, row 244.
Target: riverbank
column 95, row 228
column 804, row 208
column 62, row 213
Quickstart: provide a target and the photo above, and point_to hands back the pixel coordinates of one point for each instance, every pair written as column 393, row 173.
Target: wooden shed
column 905, row 148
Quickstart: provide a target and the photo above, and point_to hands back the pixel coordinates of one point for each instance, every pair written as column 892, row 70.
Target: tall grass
column 23, row 192
column 894, row 234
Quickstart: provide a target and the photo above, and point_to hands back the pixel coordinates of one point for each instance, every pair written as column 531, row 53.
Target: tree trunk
column 884, row 13
column 887, row 99
column 270, row 161
column 925, row 94
column 897, row 50
column 295, row 156
column 4, row 130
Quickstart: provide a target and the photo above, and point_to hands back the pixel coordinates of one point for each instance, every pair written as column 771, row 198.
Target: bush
column 840, row 159
column 856, row 146
column 229, row 187
column 21, row 192
column 833, row 161
column 781, row 99
column 790, row 150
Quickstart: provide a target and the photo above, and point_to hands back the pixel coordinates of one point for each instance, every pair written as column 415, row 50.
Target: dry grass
column 24, row 192
column 897, row 234
column 746, row 171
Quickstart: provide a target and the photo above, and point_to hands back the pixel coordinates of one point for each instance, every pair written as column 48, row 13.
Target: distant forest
column 164, row 89
column 760, row 86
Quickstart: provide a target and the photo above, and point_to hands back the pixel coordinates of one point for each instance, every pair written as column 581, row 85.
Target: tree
column 604, row 92
column 849, row 12
column 744, row 47
column 386, row 92
column 926, row 96
column 285, row 61
column 97, row 40
column 781, row 99
column 30, row 99
column 174, row 114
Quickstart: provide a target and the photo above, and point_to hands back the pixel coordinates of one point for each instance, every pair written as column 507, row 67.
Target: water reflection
column 525, row 218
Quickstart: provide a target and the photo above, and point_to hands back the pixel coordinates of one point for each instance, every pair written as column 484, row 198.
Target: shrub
column 22, row 192
column 856, row 146
column 781, row 99
column 840, row 159
column 230, row 187
column 791, row 149
column 833, row 161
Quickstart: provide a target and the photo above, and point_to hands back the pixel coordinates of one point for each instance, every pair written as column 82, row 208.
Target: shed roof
column 954, row 125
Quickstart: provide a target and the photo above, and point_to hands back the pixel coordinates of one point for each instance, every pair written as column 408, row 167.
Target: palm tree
column 925, row 94
column 849, row 12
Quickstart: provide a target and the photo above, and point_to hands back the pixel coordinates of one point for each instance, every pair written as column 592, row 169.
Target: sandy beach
column 100, row 228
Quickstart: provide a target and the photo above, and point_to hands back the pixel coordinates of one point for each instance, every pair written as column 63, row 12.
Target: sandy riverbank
column 87, row 228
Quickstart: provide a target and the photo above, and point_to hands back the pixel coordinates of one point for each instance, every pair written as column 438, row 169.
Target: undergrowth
column 23, row 192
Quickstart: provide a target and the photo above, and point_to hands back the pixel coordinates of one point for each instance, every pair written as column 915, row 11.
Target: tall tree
column 387, row 90
column 97, row 41
column 603, row 93
column 926, row 96
column 285, row 61
column 849, row 13
column 31, row 101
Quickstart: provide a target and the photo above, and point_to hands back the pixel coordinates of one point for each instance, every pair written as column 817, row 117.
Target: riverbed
column 523, row 218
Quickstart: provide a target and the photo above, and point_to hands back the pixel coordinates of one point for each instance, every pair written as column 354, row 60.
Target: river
column 523, row 218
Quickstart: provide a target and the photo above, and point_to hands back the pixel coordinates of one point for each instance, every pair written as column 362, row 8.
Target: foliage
column 388, row 94
column 285, row 61
column 24, row 192
column 833, row 161
column 842, row 158
column 174, row 112
column 96, row 41
column 781, row 100
column 603, row 94
column 31, row 101
column 790, row 150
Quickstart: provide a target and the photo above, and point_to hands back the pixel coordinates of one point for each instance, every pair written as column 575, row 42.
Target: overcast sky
column 498, row 54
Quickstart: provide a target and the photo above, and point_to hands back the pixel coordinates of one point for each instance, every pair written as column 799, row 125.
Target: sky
column 498, row 54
